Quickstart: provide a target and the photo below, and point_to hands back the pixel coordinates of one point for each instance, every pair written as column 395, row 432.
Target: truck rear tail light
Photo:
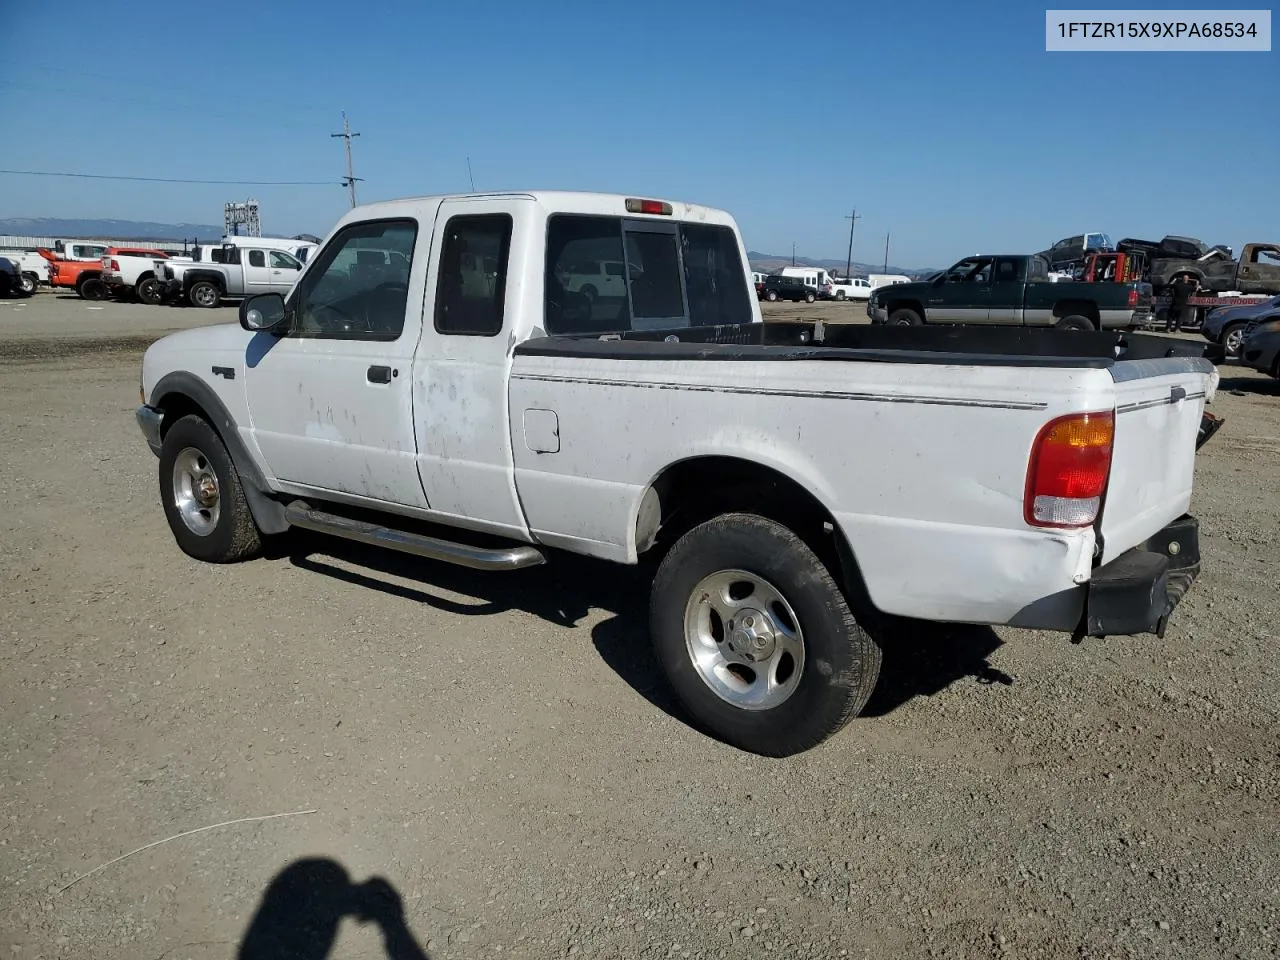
column 648, row 206
column 1068, row 471
column 115, row 265
column 1133, row 297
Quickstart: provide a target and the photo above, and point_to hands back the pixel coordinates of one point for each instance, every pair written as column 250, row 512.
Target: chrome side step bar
column 514, row 557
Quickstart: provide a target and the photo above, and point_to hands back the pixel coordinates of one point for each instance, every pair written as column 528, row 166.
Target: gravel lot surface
column 500, row 755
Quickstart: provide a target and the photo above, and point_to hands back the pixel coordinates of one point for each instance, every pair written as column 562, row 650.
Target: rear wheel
column 589, row 292
column 91, row 288
column 757, row 638
column 1075, row 322
column 810, row 297
column 839, row 294
column 149, row 291
column 905, row 317
column 202, row 496
column 204, row 294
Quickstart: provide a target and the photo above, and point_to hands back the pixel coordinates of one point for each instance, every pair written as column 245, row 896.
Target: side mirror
column 265, row 313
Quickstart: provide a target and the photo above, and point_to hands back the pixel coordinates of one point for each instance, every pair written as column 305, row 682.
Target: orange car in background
column 85, row 276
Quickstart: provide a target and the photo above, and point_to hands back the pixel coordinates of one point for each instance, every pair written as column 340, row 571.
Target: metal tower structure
column 237, row 214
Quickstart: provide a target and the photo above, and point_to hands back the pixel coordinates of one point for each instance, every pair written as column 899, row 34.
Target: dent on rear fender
column 953, row 572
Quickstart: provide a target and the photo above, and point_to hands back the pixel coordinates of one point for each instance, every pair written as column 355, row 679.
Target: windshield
column 1099, row 241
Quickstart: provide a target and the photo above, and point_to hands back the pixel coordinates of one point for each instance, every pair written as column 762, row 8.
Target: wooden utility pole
column 853, row 218
column 346, row 135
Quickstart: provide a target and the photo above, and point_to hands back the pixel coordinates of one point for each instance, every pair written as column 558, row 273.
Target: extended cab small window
column 358, row 288
column 471, row 284
column 257, row 258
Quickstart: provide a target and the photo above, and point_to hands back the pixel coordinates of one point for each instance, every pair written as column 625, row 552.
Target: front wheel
column 771, row 296
column 1233, row 340
column 810, row 297
column 905, row 317
column 28, row 283
column 756, row 637
column 203, row 499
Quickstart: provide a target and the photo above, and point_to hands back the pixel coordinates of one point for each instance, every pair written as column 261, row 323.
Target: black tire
column 1232, row 340
column 232, row 535
column 905, row 317
column 1075, row 322
column 28, row 284
column 810, row 297
column 839, row 294
column 590, row 292
column 841, row 660
column 204, row 293
column 91, row 288
column 149, row 291
column 771, row 296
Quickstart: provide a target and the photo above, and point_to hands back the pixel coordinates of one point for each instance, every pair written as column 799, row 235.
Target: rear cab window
column 663, row 274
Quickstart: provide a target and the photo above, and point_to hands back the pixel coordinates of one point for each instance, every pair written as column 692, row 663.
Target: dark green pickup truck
column 1012, row 290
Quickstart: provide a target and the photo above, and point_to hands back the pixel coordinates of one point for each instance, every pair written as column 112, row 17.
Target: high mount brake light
column 1068, row 470
column 648, row 206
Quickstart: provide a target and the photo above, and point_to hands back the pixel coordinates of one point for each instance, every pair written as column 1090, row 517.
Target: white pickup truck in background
column 32, row 268
column 853, row 288
column 127, row 272
column 430, row 386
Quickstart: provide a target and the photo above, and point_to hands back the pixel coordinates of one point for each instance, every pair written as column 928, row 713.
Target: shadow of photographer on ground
column 303, row 909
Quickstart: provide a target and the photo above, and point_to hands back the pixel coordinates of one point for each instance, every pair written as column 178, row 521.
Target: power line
column 346, row 135
column 853, row 218
column 105, row 176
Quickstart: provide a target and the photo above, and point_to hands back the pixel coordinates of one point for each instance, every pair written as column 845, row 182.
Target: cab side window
column 358, row 289
column 257, row 258
column 471, row 285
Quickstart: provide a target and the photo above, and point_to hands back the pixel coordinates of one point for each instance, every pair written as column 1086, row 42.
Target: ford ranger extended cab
column 1011, row 289
column 429, row 385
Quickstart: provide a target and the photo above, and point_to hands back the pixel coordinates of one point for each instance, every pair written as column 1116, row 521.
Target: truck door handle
column 379, row 374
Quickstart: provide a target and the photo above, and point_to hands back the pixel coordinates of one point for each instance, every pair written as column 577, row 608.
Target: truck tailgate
column 1159, row 405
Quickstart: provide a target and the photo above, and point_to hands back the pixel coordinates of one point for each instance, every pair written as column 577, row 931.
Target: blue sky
column 944, row 123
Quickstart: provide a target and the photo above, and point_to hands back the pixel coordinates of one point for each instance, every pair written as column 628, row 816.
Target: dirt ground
column 499, row 754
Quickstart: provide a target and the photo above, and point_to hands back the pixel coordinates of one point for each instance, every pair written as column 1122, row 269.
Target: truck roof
column 566, row 201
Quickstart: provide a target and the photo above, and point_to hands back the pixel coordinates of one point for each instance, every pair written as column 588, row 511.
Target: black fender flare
column 268, row 513
column 191, row 277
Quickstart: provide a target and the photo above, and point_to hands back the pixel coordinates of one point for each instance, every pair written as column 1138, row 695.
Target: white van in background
column 814, row 277
column 298, row 247
column 886, row 279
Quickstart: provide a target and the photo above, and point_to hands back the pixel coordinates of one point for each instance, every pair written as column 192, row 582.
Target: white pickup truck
column 32, row 268
column 429, row 385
